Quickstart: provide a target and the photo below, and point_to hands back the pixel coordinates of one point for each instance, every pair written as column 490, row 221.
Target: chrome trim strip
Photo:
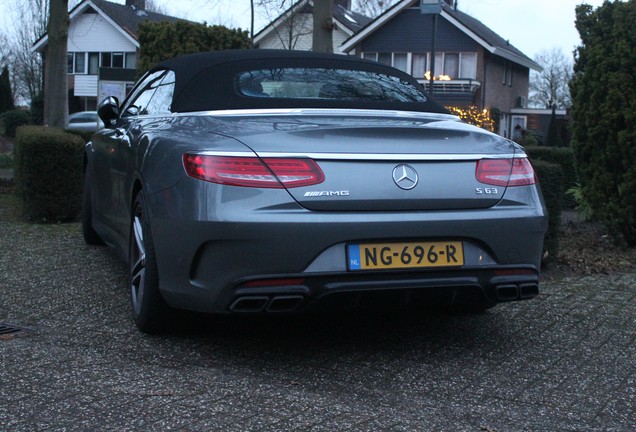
column 319, row 112
column 365, row 156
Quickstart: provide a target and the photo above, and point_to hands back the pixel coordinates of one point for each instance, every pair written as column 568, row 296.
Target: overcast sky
column 530, row 25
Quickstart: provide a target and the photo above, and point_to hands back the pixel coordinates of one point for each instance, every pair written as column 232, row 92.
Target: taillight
column 252, row 171
column 505, row 172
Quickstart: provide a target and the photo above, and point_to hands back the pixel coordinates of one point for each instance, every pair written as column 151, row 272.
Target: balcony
column 452, row 87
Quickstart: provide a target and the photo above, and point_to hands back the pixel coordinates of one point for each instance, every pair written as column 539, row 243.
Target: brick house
column 473, row 65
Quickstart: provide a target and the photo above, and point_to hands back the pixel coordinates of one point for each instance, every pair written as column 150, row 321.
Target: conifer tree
column 6, row 95
column 553, row 139
column 604, row 112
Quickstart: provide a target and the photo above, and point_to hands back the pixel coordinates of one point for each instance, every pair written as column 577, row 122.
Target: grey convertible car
column 278, row 182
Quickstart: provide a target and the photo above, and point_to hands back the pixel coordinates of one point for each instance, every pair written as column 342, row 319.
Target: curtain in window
column 400, row 61
column 418, row 67
column 451, row 65
column 468, row 68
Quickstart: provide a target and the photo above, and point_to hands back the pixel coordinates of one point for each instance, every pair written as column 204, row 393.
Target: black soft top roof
column 206, row 81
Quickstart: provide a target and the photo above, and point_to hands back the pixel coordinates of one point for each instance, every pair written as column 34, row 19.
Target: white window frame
column 75, row 55
column 374, row 56
column 514, row 122
column 507, row 74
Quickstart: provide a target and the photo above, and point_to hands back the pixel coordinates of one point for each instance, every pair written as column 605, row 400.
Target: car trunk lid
column 385, row 163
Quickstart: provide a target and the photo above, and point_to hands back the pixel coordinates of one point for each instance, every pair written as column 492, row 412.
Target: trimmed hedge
column 563, row 156
column 551, row 179
column 48, row 172
column 6, row 160
column 84, row 135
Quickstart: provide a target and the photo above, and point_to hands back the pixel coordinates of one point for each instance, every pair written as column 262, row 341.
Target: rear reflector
column 505, row 172
column 273, row 283
column 252, row 171
column 514, row 272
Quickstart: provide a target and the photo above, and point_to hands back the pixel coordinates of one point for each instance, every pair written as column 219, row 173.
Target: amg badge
column 326, row 193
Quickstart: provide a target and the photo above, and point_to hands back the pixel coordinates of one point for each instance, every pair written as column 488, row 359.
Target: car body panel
column 218, row 245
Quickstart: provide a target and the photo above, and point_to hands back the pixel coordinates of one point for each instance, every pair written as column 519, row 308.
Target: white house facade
column 293, row 28
column 102, row 48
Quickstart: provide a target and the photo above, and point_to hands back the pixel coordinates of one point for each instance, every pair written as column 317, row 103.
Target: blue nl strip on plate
column 353, row 253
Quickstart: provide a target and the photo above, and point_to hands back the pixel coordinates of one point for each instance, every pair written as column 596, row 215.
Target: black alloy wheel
column 148, row 306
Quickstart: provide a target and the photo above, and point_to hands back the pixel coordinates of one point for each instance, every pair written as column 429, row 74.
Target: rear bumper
column 485, row 287
column 210, row 249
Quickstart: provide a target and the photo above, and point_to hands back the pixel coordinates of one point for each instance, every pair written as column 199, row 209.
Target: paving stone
column 564, row 361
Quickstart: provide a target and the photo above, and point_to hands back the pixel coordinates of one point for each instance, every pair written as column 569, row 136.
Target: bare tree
column 322, row 40
column 153, row 6
column 27, row 66
column 5, row 51
column 295, row 25
column 550, row 87
column 372, row 8
column 55, row 76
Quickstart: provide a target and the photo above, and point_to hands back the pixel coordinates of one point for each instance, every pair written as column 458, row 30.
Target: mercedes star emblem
column 405, row 177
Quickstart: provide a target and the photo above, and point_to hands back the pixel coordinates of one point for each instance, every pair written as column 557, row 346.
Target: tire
column 149, row 309
column 88, row 232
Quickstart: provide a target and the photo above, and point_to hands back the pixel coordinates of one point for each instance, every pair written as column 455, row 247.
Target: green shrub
column 551, row 179
column 564, row 157
column 603, row 93
column 585, row 210
column 14, row 119
column 48, row 170
column 6, row 160
column 84, row 135
column 531, row 138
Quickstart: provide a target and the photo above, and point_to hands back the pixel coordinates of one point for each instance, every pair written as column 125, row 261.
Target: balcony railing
column 459, row 86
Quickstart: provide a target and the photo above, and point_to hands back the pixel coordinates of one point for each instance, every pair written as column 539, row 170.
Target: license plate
column 377, row 256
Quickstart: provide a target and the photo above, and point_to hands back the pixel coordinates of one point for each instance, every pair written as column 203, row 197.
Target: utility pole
column 433, row 8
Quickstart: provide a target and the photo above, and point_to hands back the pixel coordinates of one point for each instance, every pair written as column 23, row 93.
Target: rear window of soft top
column 326, row 84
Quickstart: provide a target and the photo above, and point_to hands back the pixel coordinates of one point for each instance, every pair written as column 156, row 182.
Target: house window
column 468, row 65
column 439, row 64
column 370, row 56
column 507, row 78
column 131, row 60
column 456, row 65
column 93, row 63
column 384, row 58
column 451, row 65
column 397, row 60
column 80, row 63
column 418, row 65
column 76, row 63
column 518, row 126
column 106, row 59
column 400, row 61
column 118, row 60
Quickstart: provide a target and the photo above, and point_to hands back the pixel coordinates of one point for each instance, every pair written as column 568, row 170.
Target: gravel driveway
column 563, row 361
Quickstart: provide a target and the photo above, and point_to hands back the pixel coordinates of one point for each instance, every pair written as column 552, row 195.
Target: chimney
column 136, row 4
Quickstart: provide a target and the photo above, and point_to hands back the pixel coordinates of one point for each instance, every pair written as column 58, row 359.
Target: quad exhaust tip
column 512, row 292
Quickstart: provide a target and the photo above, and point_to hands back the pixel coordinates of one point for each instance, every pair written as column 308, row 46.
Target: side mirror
column 108, row 110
